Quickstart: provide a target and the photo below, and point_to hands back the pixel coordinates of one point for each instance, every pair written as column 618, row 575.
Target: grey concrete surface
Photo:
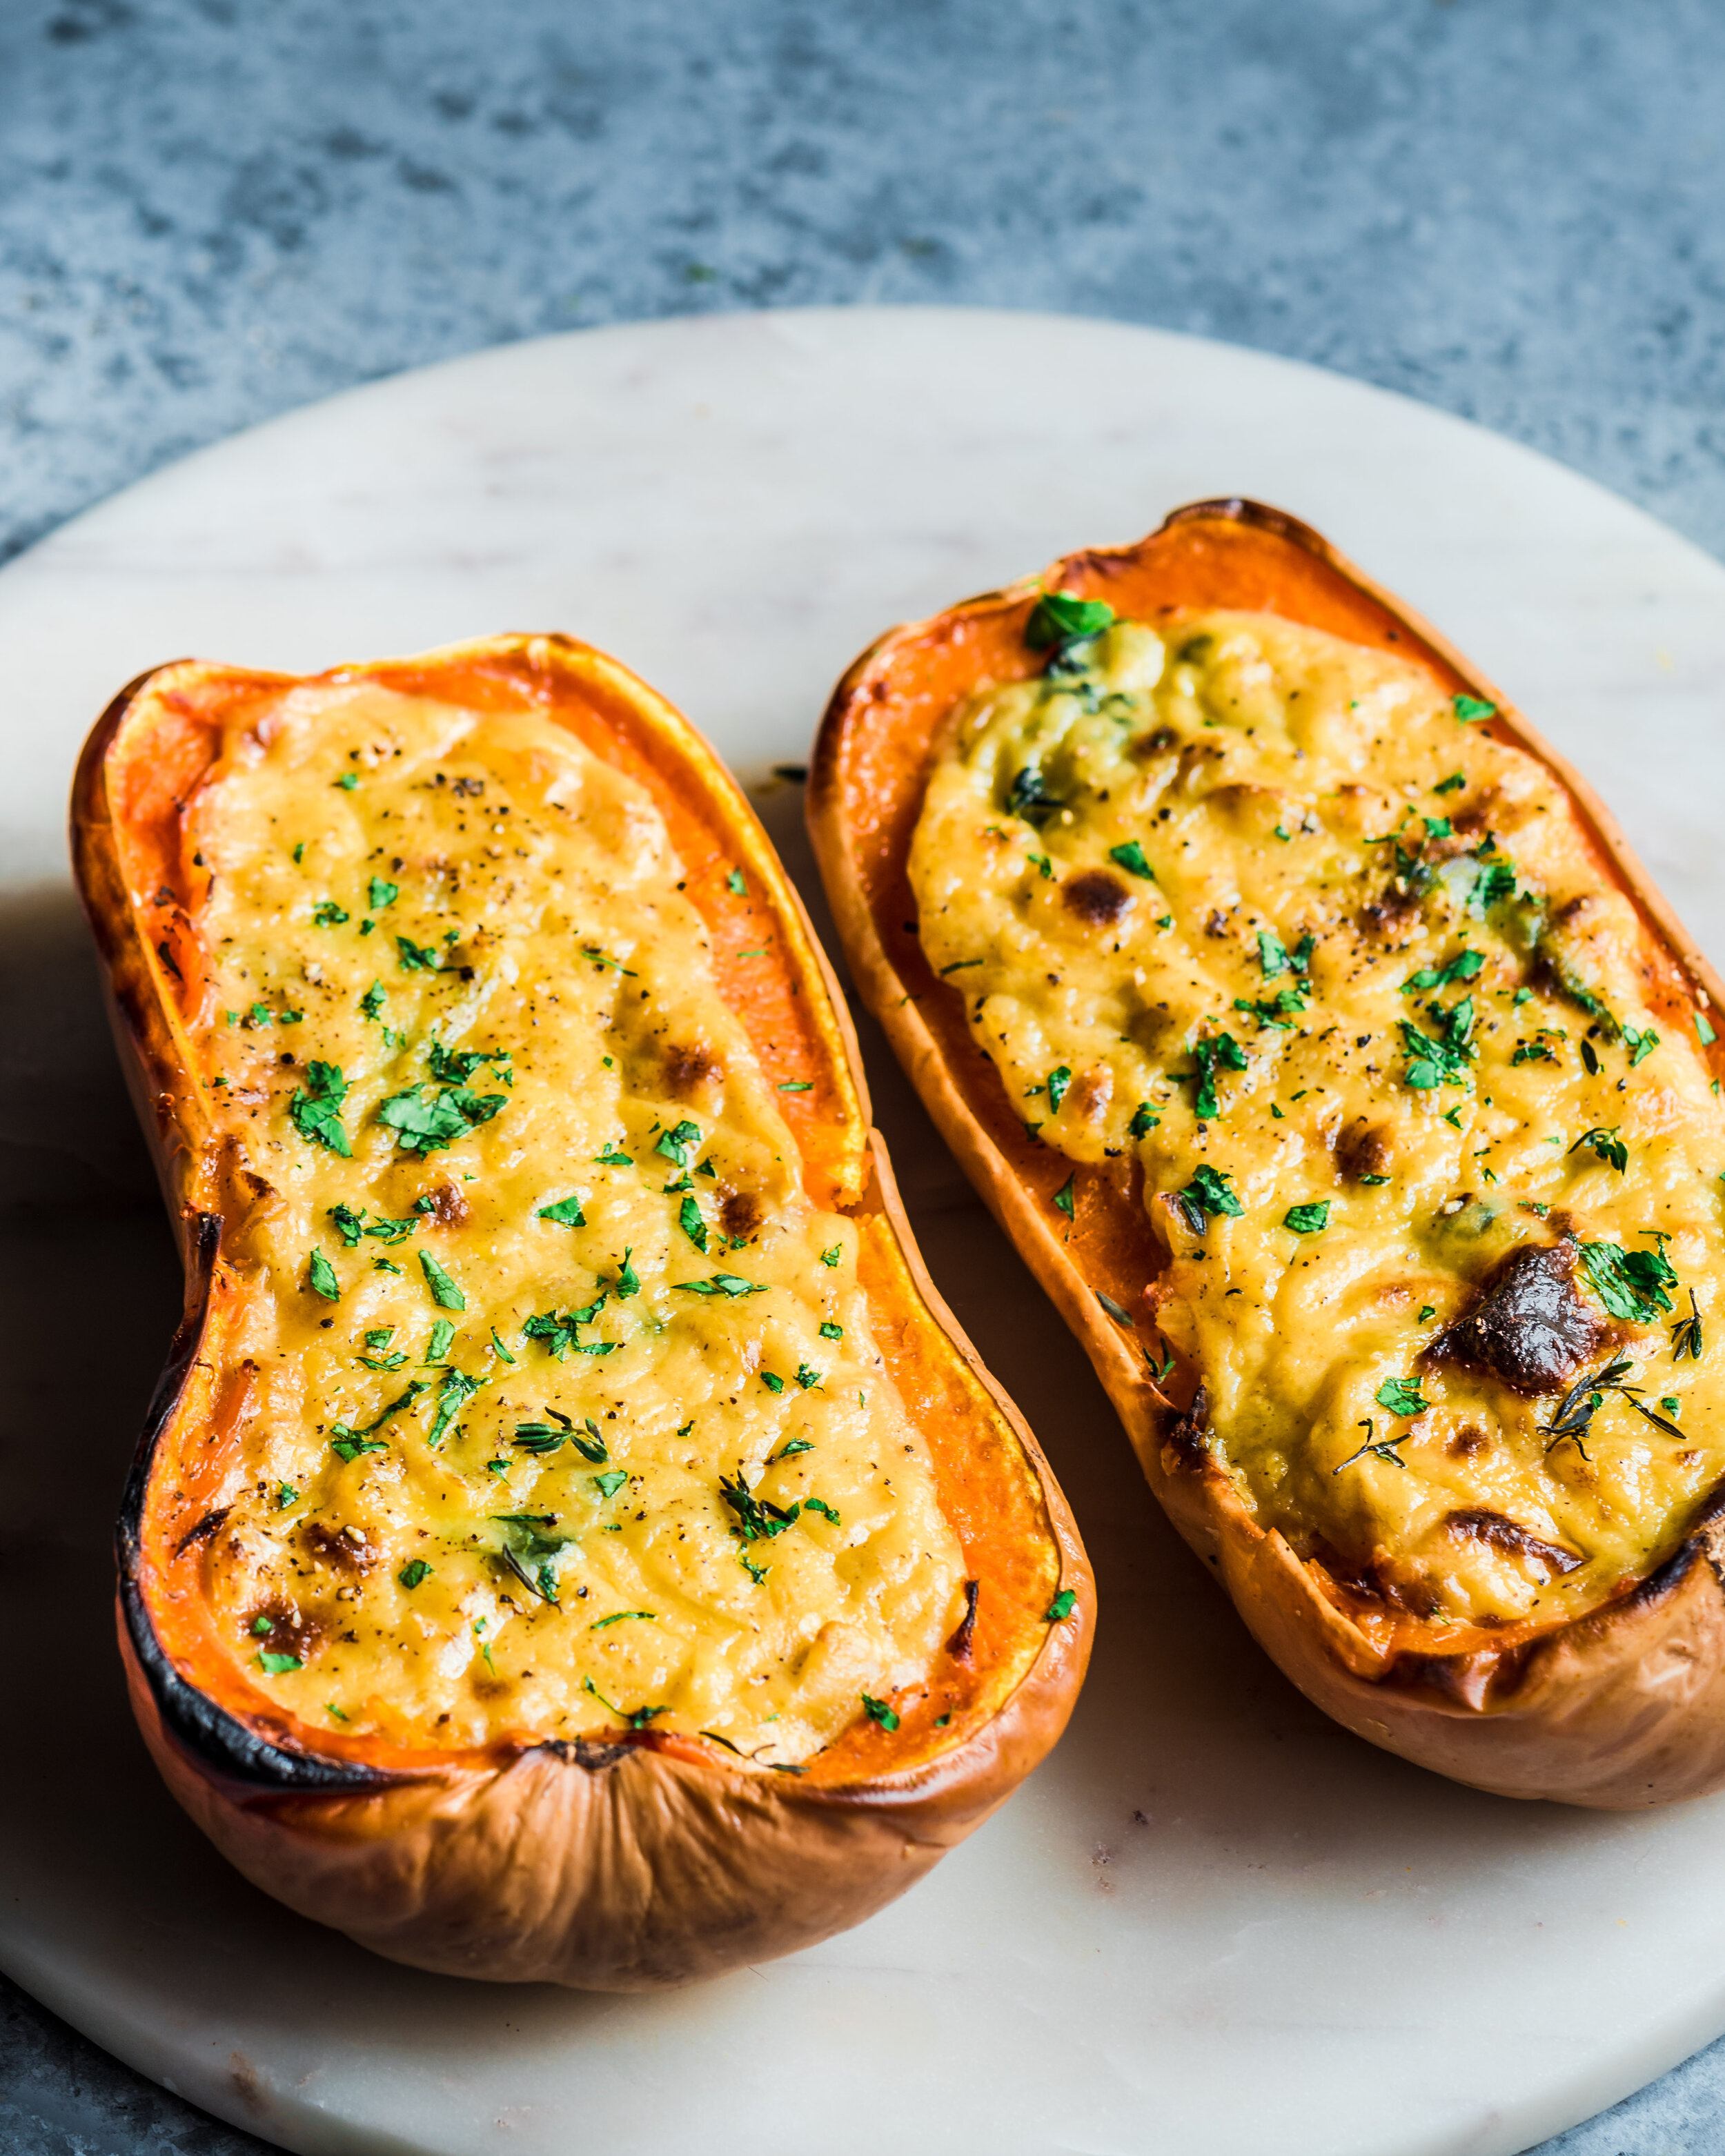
column 212, row 210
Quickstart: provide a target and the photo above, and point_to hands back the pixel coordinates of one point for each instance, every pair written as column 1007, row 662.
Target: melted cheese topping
column 1263, row 908
column 563, row 1404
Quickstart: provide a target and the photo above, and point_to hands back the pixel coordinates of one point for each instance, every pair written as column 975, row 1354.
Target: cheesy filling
column 559, row 1406
column 1271, row 912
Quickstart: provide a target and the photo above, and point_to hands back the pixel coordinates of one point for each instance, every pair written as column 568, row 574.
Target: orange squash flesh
column 660, row 1858
column 1622, row 1708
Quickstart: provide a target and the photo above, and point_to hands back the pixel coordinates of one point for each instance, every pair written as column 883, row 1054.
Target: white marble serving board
column 1213, row 1924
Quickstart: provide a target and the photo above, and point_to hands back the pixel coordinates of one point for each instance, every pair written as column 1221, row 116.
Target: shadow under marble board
column 1212, row 1909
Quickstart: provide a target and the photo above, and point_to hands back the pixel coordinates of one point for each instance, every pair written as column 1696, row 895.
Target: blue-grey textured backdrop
column 211, row 210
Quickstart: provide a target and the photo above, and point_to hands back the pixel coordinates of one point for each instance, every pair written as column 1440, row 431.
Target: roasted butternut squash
column 571, row 1541
column 1310, row 1028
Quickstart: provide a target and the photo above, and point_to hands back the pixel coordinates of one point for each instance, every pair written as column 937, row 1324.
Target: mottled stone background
column 211, row 210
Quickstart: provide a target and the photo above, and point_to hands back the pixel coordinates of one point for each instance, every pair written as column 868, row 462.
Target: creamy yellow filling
column 1269, row 910
column 565, row 1407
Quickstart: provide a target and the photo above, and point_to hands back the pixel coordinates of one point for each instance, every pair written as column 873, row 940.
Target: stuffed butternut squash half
column 1308, row 1026
column 571, row 1540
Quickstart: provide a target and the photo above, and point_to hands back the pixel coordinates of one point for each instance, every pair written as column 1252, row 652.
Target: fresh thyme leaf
column 758, row 1519
column 316, row 1111
column 878, row 1711
column 1658, row 1421
column 1120, row 1316
column 1402, row 1396
column 1061, row 1607
column 600, row 960
column 789, row 1449
column 444, row 1291
column 541, row 1437
column 1131, row 857
column 566, row 1212
column 1685, row 1334
column 1380, row 1449
column 1631, row 1283
column 412, row 1572
column 1308, row 1220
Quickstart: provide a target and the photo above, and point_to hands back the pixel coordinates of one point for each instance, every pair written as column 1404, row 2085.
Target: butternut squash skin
column 649, row 1859
column 1621, row 1709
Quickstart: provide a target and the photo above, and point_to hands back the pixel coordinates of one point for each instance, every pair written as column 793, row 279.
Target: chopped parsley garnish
column 417, row 957
column 1224, row 1050
column 1131, row 857
column 821, row 1504
column 279, row 1666
column 1631, row 1283
column 1063, row 1198
column 1272, row 954
column 627, row 1282
column 1402, row 1396
column 1438, row 827
column 1443, row 1060
column 1278, row 1010
column 808, row 1376
column 828, row 1330
column 1059, row 1082
column 1452, row 784
column 423, row 1127
column 1470, row 710
column 693, row 1226
column 286, row 1496
column 562, row 1333
column 438, row 1346
column 1641, row 1044
column 445, row 1292
column 1061, row 618
column 1207, row 1197
column 412, row 1572
column 1704, row 1030
column 1606, row 1146
column 1061, row 1607
column 877, row 1710
column 322, row 1276
column 526, row 1543
column 788, row 1450
column 1463, row 966
column 326, row 914
column 350, row 1442
column 797, row 1086
column 721, row 1284
column 316, row 1111
column 566, row 1212
column 613, row 1157
column 831, row 1257
column 1145, row 1120
column 348, row 781
column 771, row 1382
column 1308, row 1220
column 680, row 1143
column 735, row 884
column 372, row 1002
column 611, row 1481
column 380, row 892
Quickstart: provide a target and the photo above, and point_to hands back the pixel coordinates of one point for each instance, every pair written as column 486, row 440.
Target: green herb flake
column 618, row 1616
column 322, row 1276
column 1061, row 1607
column 1705, row 1031
column 1453, row 784
column 807, row 1377
column 1131, row 857
column 411, row 1573
column 1470, row 710
column 1064, row 1200
column 612, row 1157
column 566, row 1212
column 1058, row 1084
column 1605, row 1146
column 1145, row 1120
column 797, row 1086
column 735, row 884
column 417, row 957
column 1402, row 1396
column 693, row 1226
column 1272, row 953
column 1631, row 1283
column 316, row 1110
column 326, row 914
column 1426, row 1310
column 444, row 1291
column 1308, row 1220
column 721, row 1284
column 611, row 1481
column 438, row 1346
column 771, row 1382
column 1063, row 617
column 280, row 1665
column 878, row 1711
column 286, row 1496
column 828, row 1330
column 680, row 1143
column 1207, row 1197
column 348, row 781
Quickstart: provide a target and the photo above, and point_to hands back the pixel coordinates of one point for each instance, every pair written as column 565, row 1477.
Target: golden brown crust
column 1622, row 1709
column 650, row 1861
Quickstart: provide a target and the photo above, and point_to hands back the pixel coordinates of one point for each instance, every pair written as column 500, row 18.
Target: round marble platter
column 1213, row 1922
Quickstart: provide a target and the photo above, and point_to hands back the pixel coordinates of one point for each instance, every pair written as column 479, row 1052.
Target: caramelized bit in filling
column 1439, row 1189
